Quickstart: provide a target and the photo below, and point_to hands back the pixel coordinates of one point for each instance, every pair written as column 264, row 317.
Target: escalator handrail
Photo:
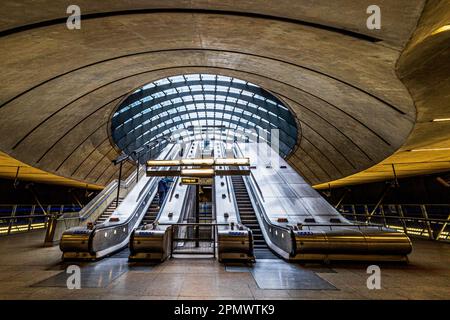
column 105, row 226
column 234, row 200
column 344, row 225
column 99, row 199
column 230, row 191
column 165, row 201
column 171, row 192
column 261, row 210
column 150, row 186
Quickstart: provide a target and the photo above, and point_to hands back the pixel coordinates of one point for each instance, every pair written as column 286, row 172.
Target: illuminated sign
column 200, row 181
column 189, row 180
column 197, row 172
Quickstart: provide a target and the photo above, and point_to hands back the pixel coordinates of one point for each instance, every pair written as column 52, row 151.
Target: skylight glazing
column 168, row 109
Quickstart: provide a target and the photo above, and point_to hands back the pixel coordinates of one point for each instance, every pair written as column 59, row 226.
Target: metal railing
column 431, row 221
column 98, row 205
column 194, row 238
column 22, row 218
column 98, row 200
column 91, row 211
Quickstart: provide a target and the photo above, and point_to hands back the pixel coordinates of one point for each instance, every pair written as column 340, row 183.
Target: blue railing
column 23, row 217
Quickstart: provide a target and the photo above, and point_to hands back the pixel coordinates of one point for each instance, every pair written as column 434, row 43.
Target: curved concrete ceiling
column 60, row 86
column 424, row 67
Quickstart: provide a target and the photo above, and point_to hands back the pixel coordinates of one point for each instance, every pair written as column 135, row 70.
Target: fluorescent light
column 197, row 172
column 200, row 162
column 430, row 149
column 163, row 163
column 441, row 29
column 441, row 119
column 232, row 162
column 197, row 162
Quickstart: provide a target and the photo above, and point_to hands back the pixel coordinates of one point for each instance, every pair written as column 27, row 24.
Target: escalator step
column 247, row 213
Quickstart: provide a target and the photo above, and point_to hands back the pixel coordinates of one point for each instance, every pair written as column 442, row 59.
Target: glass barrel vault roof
column 171, row 107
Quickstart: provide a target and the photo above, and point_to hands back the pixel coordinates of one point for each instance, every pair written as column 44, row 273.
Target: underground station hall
column 224, row 150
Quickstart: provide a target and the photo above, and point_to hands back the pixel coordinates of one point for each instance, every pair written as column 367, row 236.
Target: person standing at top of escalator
column 163, row 188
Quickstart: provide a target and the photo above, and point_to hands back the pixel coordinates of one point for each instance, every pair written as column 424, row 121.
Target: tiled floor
column 30, row 271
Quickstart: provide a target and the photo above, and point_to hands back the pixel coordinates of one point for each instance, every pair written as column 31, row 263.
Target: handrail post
column 355, row 218
column 30, row 219
column 118, row 184
column 423, row 208
column 342, row 198
column 49, row 211
column 382, row 213
column 366, row 213
column 137, row 170
column 197, row 216
column 402, row 218
column 214, row 240
column 438, row 236
column 11, row 221
column 51, row 227
column 171, row 240
column 383, row 195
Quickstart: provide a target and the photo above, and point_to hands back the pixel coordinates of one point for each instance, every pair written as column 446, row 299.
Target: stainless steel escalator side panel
column 388, row 241
column 172, row 210
column 110, row 236
column 358, row 244
column 75, row 244
column 277, row 191
column 235, row 245
column 150, row 244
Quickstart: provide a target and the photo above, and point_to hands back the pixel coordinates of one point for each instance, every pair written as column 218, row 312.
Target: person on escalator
column 163, row 187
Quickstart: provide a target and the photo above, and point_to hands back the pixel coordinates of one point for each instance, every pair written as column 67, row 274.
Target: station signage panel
column 199, row 181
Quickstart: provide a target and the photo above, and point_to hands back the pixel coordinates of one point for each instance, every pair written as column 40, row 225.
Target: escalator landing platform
column 273, row 274
column 28, row 270
column 98, row 274
column 264, row 253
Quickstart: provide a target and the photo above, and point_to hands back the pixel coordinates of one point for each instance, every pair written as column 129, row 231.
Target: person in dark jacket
column 163, row 188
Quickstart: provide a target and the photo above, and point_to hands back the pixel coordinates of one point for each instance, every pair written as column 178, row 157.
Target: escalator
column 123, row 253
column 152, row 211
column 153, row 241
column 248, row 219
column 111, row 233
column 149, row 217
column 108, row 212
column 297, row 224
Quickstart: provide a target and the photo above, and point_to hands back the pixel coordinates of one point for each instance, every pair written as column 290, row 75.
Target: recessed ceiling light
column 441, row 119
column 430, row 149
column 441, row 29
